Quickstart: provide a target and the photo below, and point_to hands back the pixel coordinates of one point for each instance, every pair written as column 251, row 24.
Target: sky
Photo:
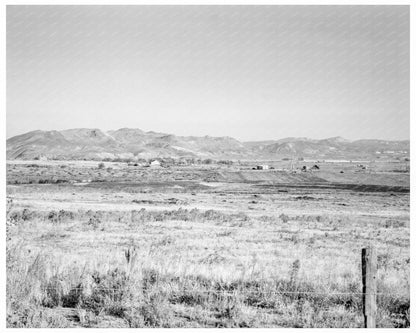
column 249, row 72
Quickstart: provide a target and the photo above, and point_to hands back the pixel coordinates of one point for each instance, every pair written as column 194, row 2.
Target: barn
column 262, row 167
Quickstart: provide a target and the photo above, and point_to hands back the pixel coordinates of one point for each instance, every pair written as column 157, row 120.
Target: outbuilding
column 155, row 164
column 262, row 167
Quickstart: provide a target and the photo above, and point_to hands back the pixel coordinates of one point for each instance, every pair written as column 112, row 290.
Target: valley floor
column 194, row 247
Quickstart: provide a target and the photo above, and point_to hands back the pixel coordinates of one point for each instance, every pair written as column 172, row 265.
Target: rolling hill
column 94, row 144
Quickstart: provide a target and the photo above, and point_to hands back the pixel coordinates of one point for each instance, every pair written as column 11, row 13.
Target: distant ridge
column 129, row 143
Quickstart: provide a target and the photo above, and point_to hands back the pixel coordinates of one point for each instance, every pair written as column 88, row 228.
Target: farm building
column 155, row 164
column 262, row 167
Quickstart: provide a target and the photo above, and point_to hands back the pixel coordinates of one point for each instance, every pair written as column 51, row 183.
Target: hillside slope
column 93, row 144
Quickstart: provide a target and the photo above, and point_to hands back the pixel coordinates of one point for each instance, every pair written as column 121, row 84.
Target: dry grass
column 166, row 253
column 229, row 269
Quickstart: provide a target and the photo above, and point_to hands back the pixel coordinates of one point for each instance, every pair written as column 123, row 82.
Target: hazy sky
column 250, row 72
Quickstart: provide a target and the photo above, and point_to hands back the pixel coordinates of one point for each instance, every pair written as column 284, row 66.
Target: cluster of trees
column 165, row 161
column 144, row 161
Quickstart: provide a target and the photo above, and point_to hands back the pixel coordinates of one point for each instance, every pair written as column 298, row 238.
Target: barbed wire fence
column 366, row 299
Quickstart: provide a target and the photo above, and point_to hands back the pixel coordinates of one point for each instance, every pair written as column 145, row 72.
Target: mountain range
column 127, row 143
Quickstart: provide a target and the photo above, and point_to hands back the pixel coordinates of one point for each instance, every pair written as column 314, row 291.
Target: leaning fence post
column 369, row 273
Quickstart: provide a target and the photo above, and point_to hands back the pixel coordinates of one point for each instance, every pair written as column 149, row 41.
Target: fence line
column 369, row 287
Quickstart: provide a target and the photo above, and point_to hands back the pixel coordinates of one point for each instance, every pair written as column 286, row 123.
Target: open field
column 204, row 246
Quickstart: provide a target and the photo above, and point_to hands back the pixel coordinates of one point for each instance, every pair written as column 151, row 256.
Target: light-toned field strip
column 57, row 204
column 92, row 164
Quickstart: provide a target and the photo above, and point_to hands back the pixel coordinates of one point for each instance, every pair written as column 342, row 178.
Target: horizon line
column 206, row 135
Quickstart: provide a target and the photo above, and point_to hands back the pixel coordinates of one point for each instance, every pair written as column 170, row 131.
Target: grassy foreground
column 164, row 269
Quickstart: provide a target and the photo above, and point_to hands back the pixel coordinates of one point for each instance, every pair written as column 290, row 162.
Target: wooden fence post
column 369, row 273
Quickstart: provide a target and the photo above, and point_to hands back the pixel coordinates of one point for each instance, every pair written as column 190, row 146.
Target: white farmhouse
column 155, row 164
